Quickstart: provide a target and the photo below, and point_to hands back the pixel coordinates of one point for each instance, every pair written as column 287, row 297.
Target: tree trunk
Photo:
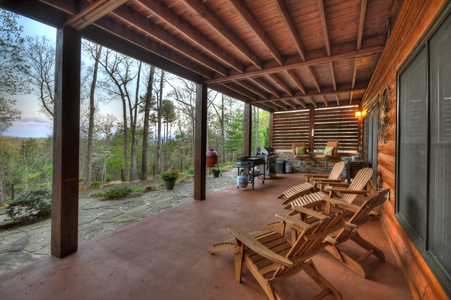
column 159, row 115
column 146, row 125
column 133, row 118
column 92, row 108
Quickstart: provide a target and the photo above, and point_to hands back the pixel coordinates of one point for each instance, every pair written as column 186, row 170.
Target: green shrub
column 169, row 175
column 94, row 185
column 33, row 204
column 117, row 193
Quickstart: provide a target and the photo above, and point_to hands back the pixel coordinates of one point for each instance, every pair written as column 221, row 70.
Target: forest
column 152, row 129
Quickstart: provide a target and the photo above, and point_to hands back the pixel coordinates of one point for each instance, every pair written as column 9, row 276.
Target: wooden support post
column 200, row 149
column 247, row 129
column 311, row 143
column 64, row 238
column 271, row 128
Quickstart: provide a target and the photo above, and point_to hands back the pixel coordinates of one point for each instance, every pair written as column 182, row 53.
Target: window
column 424, row 150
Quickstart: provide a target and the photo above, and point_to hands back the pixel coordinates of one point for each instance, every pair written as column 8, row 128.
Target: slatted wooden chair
column 271, row 258
column 344, row 192
column 326, row 156
column 361, row 215
column 301, row 154
column 310, row 187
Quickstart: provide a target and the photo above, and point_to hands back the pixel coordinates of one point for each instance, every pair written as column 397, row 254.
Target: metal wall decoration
column 384, row 108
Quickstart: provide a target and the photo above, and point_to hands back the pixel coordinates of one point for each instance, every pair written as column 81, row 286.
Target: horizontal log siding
column 414, row 20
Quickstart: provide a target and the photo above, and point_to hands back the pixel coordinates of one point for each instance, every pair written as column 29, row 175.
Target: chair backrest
column 310, row 241
column 362, row 215
column 299, row 144
column 335, row 145
column 337, row 170
column 359, row 182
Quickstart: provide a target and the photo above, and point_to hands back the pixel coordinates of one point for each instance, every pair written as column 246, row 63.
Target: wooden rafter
column 297, row 64
column 300, row 102
column 354, row 73
column 285, row 13
column 281, row 83
column 315, row 79
column 266, row 86
column 139, row 22
column 223, row 30
column 322, row 13
column 94, row 12
column 312, row 101
column 332, row 73
column 252, row 89
column 361, row 23
column 337, row 98
column 290, row 104
column 178, row 23
column 253, row 24
column 325, row 100
column 296, row 80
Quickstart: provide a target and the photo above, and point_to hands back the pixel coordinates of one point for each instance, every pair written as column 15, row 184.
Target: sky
column 33, row 123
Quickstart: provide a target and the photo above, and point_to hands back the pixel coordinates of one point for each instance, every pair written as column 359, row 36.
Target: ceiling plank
column 93, row 12
column 253, row 24
column 322, row 13
column 285, row 13
column 289, row 66
column 188, row 31
column 361, row 23
column 215, row 23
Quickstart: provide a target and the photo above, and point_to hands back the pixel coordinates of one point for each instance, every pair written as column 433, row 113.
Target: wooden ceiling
column 278, row 55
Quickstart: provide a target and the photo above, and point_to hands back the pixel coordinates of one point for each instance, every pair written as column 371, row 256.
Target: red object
column 212, row 158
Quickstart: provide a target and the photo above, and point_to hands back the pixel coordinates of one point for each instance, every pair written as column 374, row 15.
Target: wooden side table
column 352, row 167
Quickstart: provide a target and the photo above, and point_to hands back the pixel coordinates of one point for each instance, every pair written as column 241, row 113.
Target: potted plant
column 169, row 179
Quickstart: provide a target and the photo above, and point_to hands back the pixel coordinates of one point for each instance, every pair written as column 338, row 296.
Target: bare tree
column 40, row 54
column 119, row 69
column 95, row 51
column 147, row 106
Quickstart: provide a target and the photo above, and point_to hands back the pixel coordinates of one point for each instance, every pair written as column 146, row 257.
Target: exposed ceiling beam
column 188, row 31
column 325, row 100
column 253, row 24
column 252, row 89
column 332, row 74
column 285, row 13
column 354, row 73
column 209, row 17
column 361, row 23
column 266, row 86
column 315, row 79
column 281, row 83
column 296, row 80
column 312, row 101
column 141, row 23
column 337, row 98
column 94, row 12
column 322, row 13
column 293, row 65
column 301, row 102
column 290, row 104
column 329, row 91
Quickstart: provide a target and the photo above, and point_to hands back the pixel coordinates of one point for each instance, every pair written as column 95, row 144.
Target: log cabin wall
column 413, row 21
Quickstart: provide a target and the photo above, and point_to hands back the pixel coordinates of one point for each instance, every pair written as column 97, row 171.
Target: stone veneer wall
column 311, row 165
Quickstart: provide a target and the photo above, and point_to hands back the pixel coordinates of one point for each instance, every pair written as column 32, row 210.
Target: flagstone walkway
column 21, row 245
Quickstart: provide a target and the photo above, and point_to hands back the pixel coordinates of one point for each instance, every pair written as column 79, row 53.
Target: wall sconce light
column 358, row 114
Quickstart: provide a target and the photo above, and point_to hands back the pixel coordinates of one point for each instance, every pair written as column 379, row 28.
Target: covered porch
column 165, row 257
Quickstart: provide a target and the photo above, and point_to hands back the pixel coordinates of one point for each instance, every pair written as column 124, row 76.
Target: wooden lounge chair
column 300, row 156
column 345, row 192
column 307, row 187
column 271, row 258
column 326, row 156
column 360, row 216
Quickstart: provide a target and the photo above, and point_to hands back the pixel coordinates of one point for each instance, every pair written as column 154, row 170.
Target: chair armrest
column 347, row 191
column 258, row 247
column 339, row 184
column 341, row 204
column 293, row 222
column 325, row 181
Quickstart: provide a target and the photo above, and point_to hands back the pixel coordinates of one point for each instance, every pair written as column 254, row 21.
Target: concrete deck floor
column 165, row 257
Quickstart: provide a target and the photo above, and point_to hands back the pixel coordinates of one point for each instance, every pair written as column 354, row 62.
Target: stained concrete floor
column 165, row 256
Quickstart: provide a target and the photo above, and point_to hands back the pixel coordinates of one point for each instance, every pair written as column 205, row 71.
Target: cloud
column 31, row 127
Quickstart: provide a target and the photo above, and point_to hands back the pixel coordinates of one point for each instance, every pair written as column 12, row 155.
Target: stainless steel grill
column 270, row 157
